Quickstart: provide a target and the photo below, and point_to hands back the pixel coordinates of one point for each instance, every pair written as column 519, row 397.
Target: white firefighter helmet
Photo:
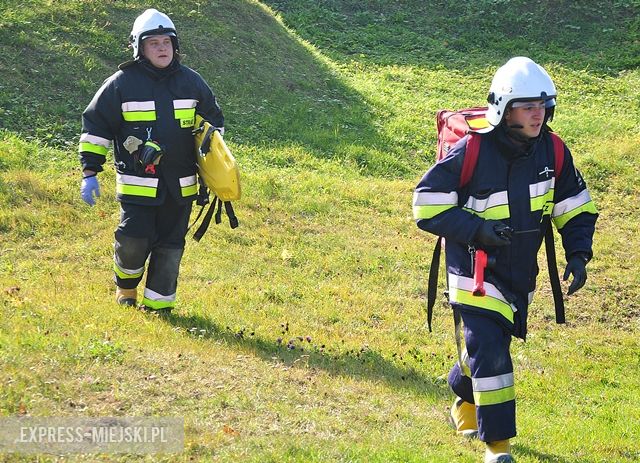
column 151, row 22
column 520, row 79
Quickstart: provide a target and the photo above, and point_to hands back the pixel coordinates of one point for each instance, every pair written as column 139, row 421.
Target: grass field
column 300, row 336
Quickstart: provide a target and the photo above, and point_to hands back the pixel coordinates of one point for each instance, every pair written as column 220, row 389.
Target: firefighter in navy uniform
column 146, row 110
column 504, row 210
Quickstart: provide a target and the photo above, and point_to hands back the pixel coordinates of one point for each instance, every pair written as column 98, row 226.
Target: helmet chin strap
column 512, row 132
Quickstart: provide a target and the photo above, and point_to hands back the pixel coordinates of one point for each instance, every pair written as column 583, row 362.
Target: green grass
column 300, row 336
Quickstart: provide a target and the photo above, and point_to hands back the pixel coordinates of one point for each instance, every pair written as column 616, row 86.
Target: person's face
column 529, row 115
column 158, row 49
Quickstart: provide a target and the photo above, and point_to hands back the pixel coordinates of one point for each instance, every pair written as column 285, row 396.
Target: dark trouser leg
column 461, row 384
column 172, row 221
column 491, row 384
column 132, row 244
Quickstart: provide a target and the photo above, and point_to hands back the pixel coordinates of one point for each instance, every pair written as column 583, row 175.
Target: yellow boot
column 126, row 296
column 463, row 418
column 498, row 452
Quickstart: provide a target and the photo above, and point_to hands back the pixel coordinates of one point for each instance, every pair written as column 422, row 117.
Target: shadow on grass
column 548, row 457
column 362, row 364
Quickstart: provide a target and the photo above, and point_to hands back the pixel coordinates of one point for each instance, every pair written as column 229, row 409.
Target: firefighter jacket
column 520, row 188
column 140, row 103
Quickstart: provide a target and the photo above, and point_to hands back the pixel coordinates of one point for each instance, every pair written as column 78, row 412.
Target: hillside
column 300, row 336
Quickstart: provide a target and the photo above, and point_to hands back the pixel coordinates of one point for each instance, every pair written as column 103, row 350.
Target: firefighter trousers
column 156, row 233
column 485, row 377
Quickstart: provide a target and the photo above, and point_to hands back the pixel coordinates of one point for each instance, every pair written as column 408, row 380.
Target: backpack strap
column 471, row 155
column 206, row 221
column 217, row 202
column 549, row 245
column 433, row 280
column 558, row 150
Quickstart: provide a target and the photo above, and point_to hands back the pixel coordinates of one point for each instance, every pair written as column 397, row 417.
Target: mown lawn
column 300, row 336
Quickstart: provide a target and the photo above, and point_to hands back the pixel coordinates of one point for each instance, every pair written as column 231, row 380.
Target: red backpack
column 454, row 125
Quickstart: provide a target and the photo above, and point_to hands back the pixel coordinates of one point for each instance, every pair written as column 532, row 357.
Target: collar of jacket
column 159, row 74
column 511, row 149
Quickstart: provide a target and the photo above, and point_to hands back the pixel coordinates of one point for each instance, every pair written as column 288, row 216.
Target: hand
column 150, row 153
column 577, row 266
column 89, row 188
column 493, row 233
column 205, row 146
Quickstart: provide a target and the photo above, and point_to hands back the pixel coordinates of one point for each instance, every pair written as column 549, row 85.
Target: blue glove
column 89, row 188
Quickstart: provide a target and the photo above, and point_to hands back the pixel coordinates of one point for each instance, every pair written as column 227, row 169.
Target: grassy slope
column 332, row 137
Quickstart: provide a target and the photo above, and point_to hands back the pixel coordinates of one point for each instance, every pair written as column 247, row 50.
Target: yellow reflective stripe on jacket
column 188, row 186
column 571, row 207
column 427, row 205
column 493, row 389
column 461, row 292
column 94, row 144
column 495, row 206
column 134, row 190
column 541, row 194
column 91, row 148
column 138, row 111
column 136, row 186
column 139, row 116
column 185, row 111
column 156, row 301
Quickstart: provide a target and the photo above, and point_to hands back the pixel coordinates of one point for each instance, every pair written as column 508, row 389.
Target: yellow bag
column 216, row 164
column 218, row 169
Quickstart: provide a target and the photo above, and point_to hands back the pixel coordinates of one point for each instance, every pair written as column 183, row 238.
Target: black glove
column 493, row 233
column 150, row 153
column 577, row 266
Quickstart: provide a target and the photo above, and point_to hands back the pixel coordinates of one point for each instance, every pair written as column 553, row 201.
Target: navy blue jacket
column 520, row 188
column 144, row 102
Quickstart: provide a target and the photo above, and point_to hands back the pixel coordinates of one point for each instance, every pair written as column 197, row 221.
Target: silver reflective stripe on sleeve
column 427, row 205
column 567, row 209
column 495, row 206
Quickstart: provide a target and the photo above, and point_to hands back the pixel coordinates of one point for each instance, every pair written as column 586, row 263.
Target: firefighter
column 505, row 209
column 147, row 110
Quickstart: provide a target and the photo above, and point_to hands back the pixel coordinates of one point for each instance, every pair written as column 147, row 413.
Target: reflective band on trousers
column 570, row 207
column 461, row 292
column 155, row 300
column 427, row 205
column 495, row 206
column 493, row 390
column 136, row 186
column 126, row 273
